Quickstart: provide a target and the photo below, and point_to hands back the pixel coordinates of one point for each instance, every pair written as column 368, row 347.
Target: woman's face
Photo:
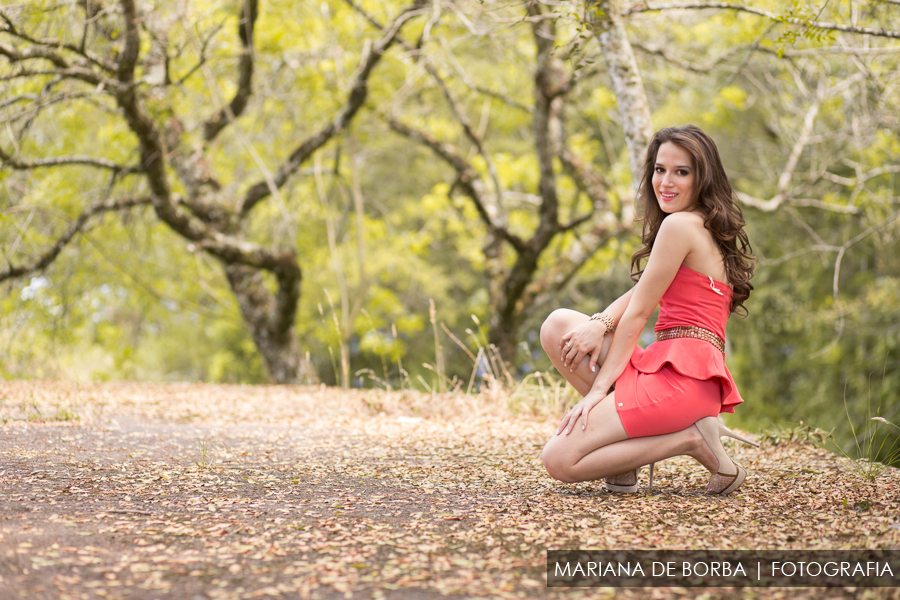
column 673, row 179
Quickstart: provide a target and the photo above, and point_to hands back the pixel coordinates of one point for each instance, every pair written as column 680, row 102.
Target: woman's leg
column 559, row 323
column 604, row 449
column 555, row 455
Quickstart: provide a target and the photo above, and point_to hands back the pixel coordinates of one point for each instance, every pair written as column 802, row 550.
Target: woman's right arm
column 587, row 338
column 673, row 243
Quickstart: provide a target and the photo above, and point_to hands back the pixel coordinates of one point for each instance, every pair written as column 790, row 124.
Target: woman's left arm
column 672, row 245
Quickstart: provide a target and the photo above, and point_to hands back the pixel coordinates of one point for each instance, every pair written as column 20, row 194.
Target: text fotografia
column 723, row 569
column 706, row 568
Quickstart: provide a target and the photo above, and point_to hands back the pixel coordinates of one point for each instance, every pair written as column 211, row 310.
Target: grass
column 540, row 394
column 32, row 413
column 866, row 463
column 801, row 432
column 204, row 447
column 870, row 455
column 867, row 454
column 490, row 384
column 489, row 389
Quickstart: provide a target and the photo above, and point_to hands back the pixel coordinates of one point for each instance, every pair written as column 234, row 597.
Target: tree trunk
column 504, row 336
column 509, row 315
column 605, row 17
column 272, row 331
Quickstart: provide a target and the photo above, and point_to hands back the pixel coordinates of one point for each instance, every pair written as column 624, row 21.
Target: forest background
column 380, row 194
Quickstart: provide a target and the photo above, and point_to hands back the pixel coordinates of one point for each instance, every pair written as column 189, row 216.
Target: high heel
column 627, row 482
column 725, row 483
column 720, row 483
column 623, row 483
column 724, row 431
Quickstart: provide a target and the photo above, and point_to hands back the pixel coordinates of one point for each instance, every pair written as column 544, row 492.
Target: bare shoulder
column 678, row 236
column 682, row 223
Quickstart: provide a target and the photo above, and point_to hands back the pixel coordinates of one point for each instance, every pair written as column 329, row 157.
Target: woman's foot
column 623, row 483
column 726, row 475
column 627, row 482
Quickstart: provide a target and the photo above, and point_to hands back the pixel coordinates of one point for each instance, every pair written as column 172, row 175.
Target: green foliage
column 800, row 433
column 800, row 21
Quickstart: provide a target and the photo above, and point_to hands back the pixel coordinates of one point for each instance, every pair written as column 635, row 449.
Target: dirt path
column 198, row 491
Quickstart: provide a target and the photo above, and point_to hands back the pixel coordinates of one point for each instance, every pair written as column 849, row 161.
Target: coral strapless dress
column 673, row 383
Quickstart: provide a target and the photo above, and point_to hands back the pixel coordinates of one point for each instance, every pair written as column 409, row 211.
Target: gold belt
column 692, row 332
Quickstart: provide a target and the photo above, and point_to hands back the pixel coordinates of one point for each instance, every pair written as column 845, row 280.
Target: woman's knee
column 557, row 464
column 552, row 330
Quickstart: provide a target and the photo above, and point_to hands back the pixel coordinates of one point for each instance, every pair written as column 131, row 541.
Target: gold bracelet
column 606, row 320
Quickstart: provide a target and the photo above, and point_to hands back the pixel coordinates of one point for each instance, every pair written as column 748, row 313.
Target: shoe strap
column 733, row 476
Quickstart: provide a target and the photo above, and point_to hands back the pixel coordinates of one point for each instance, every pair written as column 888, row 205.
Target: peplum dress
column 673, row 383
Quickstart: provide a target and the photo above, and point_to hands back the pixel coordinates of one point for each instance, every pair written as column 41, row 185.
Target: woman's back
column 705, row 256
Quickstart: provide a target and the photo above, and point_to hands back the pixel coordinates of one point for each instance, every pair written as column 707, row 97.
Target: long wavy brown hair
column 721, row 214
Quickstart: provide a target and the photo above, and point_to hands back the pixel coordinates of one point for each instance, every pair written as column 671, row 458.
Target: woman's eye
column 660, row 170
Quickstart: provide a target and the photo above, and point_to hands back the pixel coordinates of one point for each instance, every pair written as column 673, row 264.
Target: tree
column 524, row 266
column 126, row 66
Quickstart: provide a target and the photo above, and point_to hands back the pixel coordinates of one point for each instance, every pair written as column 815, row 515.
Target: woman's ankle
column 699, row 450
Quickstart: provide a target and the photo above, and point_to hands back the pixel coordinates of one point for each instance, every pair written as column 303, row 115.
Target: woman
column 668, row 396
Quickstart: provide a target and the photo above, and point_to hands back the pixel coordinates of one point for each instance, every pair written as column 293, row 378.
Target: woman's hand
column 584, row 340
column 579, row 413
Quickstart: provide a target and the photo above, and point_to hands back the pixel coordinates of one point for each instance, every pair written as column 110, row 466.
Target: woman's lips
column 667, row 196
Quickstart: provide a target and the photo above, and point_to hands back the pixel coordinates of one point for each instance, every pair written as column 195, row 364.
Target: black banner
column 723, row 568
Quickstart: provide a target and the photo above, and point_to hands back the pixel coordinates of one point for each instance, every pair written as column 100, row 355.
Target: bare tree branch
column 46, row 44
column 246, row 23
column 50, row 254
column 31, row 54
column 576, row 221
column 503, row 98
column 589, row 182
column 466, row 177
column 784, row 179
column 239, row 252
column 355, row 100
column 152, row 147
column 84, row 75
column 767, row 14
column 689, row 66
column 566, row 267
column 457, row 109
column 203, row 57
column 101, row 163
column 840, row 208
column 803, row 140
column 467, row 128
column 841, row 250
column 129, row 56
column 36, row 98
column 862, row 178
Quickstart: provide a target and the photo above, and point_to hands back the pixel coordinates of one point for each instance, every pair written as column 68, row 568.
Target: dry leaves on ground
column 209, row 491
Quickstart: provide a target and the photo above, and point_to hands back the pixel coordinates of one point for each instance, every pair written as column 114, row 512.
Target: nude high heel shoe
column 627, row 482
column 724, row 431
column 720, row 482
column 623, row 483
